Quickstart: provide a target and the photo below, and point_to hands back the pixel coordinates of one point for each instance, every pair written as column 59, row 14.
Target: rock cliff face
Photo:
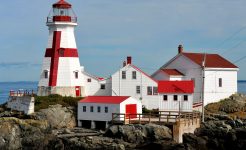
column 58, row 116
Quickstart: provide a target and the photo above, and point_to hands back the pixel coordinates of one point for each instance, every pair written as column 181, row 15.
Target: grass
column 43, row 102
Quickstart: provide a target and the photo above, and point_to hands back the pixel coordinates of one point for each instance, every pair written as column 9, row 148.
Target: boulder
column 9, row 135
column 139, row 133
column 57, row 116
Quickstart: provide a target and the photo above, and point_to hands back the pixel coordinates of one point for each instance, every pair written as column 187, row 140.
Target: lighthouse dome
column 62, row 4
column 62, row 12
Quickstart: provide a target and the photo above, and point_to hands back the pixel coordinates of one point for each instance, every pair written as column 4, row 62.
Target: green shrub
column 43, row 102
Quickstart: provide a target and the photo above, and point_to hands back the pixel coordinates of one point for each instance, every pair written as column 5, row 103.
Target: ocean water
column 5, row 87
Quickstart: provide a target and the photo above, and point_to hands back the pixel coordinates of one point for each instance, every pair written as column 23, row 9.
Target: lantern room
column 62, row 12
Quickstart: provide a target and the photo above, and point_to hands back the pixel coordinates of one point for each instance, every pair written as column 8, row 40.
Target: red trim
column 138, row 69
column 104, row 99
column 67, row 52
column 55, row 58
column 62, row 18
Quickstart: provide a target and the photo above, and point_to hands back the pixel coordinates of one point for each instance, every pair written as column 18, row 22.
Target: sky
column 110, row 30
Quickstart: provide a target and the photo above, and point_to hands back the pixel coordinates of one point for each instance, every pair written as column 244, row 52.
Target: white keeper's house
column 96, row 111
column 176, row 95
column 132, row 81
column 220, row 75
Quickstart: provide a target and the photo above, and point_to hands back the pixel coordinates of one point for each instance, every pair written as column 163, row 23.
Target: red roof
column 143, row 72
column 212, row 60
column 175, row 87
column 104, row 99
column 172, row 72
column 62, row 4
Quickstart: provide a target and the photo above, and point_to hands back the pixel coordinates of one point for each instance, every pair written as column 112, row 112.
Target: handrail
column 168, row 116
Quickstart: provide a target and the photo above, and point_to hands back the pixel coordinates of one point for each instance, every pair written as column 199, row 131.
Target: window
column 103, row 86
column 155, row 90
column 185, row 97
column 106, row 110
column 175, row 97
column 61, row 52
column 220, row 82
column 149, row 90
column 76, row 75
column 134, row 75
column 123, row 74
column 46, row 73
column 91, row 109
column 138, row 91
column 165, row 97
column 99, row 109
column 89, row 80
column 84, row 108
column 194, row 81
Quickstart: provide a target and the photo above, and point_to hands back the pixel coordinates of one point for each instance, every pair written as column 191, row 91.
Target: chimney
column 180, row 49
column 129, row 60
column 124, row 63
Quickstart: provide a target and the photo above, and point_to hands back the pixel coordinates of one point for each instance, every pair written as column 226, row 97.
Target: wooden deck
column 163, row 117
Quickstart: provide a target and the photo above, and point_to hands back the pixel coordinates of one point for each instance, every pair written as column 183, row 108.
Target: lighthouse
column 61, row 70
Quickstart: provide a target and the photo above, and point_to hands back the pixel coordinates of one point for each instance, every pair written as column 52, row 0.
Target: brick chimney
column 129, row 60
column 180, row 49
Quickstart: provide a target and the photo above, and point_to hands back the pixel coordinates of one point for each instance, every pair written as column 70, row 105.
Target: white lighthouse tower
column 61, row 70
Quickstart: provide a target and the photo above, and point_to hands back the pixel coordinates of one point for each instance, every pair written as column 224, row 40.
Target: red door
column 77, row 90
column 131, row 109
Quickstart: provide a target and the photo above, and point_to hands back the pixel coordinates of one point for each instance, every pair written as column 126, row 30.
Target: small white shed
column 176, row 95
column 96, row 111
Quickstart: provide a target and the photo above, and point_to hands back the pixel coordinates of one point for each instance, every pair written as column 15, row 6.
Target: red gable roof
column 104, row 99
column 175, row 87
column 212, row 60
column 62, row 4
column 172, row 72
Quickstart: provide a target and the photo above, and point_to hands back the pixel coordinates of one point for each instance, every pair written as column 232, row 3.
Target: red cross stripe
column 55, row 52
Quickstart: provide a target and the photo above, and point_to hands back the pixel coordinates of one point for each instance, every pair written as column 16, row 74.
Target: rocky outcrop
column 16, row 133
column 57, row 116
column 139, row 133
column 217, row 135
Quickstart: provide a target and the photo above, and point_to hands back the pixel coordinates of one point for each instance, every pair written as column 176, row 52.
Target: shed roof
column 176, row 87
column 104, row 99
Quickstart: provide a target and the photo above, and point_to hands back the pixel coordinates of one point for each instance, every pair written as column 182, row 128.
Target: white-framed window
column 220, row 82
column 155, row 90
column 103, row 86
column 123, row 74
column 138, row 90
column 91, row 109
column 134, row 75
column 89, row 80
column 186, row 97
column 84, row 108
column 76, row 74
column 106, row 109
column 46, row 74
column 165, row 98
column 98, row 109
column 175, row 97
column 149, row 90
